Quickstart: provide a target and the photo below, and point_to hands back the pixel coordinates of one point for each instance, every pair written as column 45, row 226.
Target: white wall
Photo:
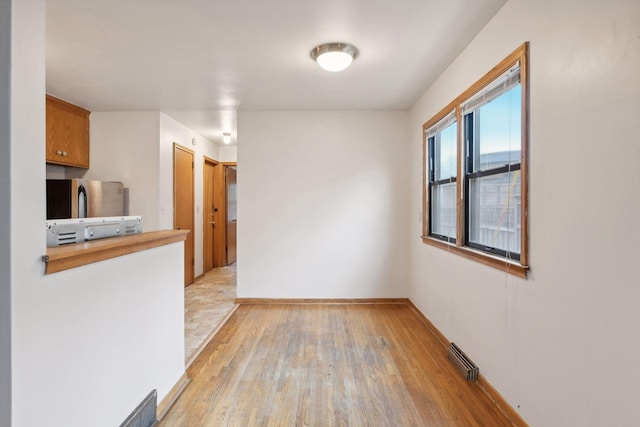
column 322, row 204
column 172, row 131
column 136, row 147
column 56, row 172
column 124, row 147
column 89, row 343
column 27, row 199
column 563, row 345
column 5, row 213
column 228, row 154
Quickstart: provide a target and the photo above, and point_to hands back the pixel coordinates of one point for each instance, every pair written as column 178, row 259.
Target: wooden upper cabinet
column 67, row 134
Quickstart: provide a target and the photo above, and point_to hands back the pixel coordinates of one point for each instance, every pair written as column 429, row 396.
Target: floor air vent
column 467, row 368
column 145, row 414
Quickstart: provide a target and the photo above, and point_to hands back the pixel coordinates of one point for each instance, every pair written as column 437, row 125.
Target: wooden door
column 183, row 202
column 220, row 217
column 209, row 214
column 232, row 212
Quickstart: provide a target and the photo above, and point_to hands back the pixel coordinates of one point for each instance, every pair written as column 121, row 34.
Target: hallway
column 208, row 302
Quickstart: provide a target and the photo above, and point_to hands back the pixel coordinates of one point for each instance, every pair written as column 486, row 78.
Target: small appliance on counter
column 84, row 198
column 77, row 230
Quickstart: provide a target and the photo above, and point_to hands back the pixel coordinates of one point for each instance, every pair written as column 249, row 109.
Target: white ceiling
column 200, row 61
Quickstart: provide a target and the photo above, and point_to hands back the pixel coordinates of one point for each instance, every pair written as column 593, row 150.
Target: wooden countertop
column 71, row 256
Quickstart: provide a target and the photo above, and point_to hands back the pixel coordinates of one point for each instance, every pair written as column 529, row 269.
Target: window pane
column 443, row 210
column 445, row 153
column 497, row 131
column 494, row 211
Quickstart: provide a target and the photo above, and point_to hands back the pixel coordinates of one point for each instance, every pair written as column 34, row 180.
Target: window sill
column 481, row 257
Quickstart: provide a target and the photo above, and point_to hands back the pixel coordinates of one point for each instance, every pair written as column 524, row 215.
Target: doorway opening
column 210, row 300
column 210, row 214
column 231, row 200
column 220, row 213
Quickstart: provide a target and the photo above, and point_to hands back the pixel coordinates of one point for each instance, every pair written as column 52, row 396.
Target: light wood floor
column 328, row 365
column 206, row 304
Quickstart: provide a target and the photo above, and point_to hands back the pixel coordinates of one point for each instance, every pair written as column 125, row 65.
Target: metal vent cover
column 145, row 413
column 131, row 229
column 68, row 237
column 76, row 230
column 467, row 368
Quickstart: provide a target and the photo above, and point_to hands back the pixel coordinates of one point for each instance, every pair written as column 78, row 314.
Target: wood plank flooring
column 328, row 365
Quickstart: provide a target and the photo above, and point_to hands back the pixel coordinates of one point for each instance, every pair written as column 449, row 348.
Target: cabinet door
column 67, row 134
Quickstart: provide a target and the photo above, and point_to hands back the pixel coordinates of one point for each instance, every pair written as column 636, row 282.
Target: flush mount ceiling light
column 226, row 138
column 334, row 56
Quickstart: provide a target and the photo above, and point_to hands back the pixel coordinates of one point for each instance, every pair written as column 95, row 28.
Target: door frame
column 219, row 257
column 220, row 203
column 205, row 220
column 177, row 146
column 224, row 184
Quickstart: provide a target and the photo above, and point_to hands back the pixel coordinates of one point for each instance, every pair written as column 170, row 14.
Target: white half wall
column 124, row 147
column 5, row 212
column 99, row 338
column 173, row 131
column 562, row 346
column 322, row 204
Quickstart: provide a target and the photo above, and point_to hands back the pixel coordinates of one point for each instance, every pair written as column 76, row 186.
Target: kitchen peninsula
column 117, row 306
column 75, row 255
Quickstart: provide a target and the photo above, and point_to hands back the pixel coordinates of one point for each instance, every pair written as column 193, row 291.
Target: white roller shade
column 442, row 124
column 493, row 90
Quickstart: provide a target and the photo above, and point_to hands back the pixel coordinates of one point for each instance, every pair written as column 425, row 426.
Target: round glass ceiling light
column 334, row 56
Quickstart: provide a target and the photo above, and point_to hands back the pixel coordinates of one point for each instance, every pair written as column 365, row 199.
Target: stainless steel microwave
column 84, row 198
